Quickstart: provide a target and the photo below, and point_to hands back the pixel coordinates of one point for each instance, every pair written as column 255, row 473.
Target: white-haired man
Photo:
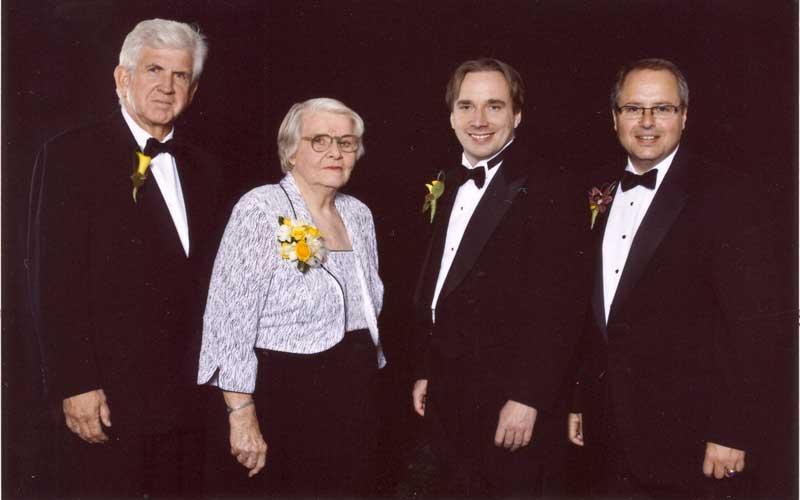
column 124, row 229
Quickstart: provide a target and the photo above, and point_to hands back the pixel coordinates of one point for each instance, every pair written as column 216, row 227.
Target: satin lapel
column 490, row 211
column 433, row 260
column 155, row 216
column 191, row 188
column 665, row 208
column 598, row 300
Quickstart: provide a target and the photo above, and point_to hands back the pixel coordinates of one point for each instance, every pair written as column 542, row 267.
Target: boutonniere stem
column 139, row 174
column 435, row 191
column 600, row 199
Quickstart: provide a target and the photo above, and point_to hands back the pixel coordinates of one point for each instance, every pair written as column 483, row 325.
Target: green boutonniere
column 139, row 174
column 435, row 191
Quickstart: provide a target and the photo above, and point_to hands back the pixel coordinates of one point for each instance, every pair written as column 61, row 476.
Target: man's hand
column 83, row 414
column 720, row 461
column 418, row 395
column 575, row 428
column 515, row 425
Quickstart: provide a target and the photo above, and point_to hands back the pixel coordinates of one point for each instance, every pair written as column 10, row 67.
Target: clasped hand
column 247, row 443
column 515, row 425
column 83, row 414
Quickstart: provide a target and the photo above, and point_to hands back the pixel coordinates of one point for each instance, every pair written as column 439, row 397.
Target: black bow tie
column 478, row 174
column 153, row 147
column 647, row 180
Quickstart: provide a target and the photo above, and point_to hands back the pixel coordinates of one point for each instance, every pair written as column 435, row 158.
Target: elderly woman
column 290, row 329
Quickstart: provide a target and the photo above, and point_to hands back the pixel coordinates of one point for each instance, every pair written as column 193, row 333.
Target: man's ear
column 517, row 119
column 614, row 119
column 122, row 77
column 452, row 121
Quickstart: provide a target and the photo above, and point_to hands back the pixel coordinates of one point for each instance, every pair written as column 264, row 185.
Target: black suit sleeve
column 554, row 298
column 61, row 227
column 748, row 288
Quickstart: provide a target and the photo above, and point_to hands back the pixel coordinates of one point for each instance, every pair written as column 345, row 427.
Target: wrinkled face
column 647, row 139
column 327, row 169
column 158, row 89
column 483, row 117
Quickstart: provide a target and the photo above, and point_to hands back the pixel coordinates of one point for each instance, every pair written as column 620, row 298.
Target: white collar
column 484, row 163
column 662, row 168
column 140, row 134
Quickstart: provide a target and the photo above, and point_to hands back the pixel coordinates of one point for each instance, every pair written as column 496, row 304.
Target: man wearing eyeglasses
column 683, row 310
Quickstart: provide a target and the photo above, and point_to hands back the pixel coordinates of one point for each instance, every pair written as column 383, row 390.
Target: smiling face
column 158, row 89
column 482, row 115
column 328, row 169
column 649, row 140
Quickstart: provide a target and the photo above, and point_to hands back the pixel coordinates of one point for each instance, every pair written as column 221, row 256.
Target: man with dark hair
column 684, row 311
column 496, row 299
column 124, row 228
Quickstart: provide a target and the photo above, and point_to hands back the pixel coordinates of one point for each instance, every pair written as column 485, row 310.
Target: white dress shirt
column 624, row 219
column 169, row 183
column 467, row 199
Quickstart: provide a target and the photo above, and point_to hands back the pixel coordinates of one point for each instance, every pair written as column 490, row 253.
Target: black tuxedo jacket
column 511, row 301
column 685, row 355
column 117, row 303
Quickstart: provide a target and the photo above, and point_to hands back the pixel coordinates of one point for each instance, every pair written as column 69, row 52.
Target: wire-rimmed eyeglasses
column 322, row 142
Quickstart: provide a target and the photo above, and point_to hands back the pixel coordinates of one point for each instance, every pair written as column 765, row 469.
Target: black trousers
column 461, row 416
column 317, row 414
column 158, row 466
column 617, row 481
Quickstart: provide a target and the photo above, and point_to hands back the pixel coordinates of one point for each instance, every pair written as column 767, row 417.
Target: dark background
column 390, row 61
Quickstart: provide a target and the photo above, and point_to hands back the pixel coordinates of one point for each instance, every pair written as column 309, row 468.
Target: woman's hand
column 247, row 443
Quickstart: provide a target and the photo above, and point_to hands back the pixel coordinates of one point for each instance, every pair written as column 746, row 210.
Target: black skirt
column 317, row 414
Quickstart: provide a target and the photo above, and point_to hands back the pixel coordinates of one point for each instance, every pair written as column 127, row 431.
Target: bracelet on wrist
column 231, row 410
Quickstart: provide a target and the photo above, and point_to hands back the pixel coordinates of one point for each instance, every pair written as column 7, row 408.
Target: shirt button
column 616, row 271
column 631, row 203
column 624, row 236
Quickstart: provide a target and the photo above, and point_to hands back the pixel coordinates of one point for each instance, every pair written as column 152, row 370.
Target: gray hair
column 164, row 34
column 292, row 125
column 653, row 64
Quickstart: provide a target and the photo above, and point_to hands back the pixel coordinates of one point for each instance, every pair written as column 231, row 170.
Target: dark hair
column 515, row 85
column 653, row 64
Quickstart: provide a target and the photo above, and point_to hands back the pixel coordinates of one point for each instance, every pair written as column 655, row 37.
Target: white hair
column 291, row 127
column 164, row 34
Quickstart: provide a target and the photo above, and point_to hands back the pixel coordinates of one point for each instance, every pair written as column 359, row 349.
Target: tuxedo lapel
column 153, row 216
column 433, row 260
column 662, row 213
column 494, row 204
column 598, row 293
column 191, row 187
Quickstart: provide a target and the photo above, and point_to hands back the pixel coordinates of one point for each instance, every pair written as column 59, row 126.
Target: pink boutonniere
column 600, row 199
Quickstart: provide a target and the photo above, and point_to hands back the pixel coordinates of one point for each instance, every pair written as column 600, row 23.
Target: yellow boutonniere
column 139, row 174
column 435, row 191
column 301, row 243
